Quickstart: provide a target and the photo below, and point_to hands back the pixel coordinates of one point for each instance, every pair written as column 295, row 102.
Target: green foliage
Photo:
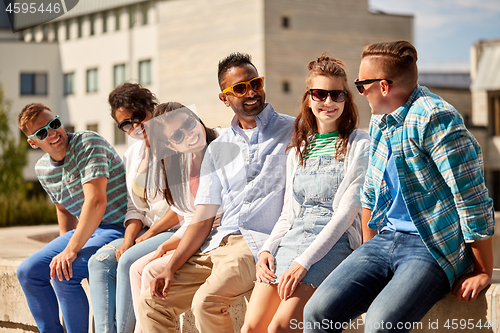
column 13, row 156
column 16, row 209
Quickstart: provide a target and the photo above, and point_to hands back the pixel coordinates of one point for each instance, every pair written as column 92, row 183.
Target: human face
column 56, row 143
column 249, row 105
column 137, row 129
column 375, row 92
column 180, row 126
column 327, row 112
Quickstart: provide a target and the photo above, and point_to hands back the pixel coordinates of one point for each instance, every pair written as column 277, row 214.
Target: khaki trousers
column 208, row 283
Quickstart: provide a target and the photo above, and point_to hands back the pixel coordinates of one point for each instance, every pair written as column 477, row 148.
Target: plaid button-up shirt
column 440, row 168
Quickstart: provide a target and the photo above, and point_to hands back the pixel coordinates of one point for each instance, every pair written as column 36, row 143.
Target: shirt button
column 247, row 159
column 250, row 178
column 247, row 202
column 264, row 124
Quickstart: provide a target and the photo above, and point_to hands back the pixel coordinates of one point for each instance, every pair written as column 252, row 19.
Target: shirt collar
column 262, row 118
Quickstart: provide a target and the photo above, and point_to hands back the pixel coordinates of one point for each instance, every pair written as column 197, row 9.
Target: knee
column 125, row 262
column 25, row 271
column 103, row 260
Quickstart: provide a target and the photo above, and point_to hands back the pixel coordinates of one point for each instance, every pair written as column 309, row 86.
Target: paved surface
column 16, row 244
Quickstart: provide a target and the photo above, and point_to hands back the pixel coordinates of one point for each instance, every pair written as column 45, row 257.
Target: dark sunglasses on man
column 127, row 124
column 320, row 95
column 188, row 125
column 240, row 89
column 360, row 84
column 42, row 133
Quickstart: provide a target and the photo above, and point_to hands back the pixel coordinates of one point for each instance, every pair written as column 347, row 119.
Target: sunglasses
column 320, row 95
column 43, row 132
column 188, row 125
column 240, row 89
column 127, row 124
column 359, row 84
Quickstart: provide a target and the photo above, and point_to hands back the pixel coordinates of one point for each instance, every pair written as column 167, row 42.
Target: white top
column 346, row 204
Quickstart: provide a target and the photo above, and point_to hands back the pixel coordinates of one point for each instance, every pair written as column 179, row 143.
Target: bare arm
column 193, row 238
column 65, row 220
column 470, row 285
column 168, row 220
column 91, row 216
column 368, row 233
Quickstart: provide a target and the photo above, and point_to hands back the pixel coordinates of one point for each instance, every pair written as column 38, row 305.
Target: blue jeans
column 392, row 277
column 34, row 277
column 109, row 280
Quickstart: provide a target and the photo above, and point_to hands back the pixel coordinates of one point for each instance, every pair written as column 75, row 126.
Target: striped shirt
column 322, row 145
column 440, row 168
column 89, row 156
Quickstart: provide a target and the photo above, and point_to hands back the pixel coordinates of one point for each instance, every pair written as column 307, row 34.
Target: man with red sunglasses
column 244, row 172
column 427, row 217
column 85, row 178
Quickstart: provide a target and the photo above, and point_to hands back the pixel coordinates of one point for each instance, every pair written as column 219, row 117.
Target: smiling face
column 137, row 131
column 56, row 142
column 249, row 105
column 177, row 127
column 327, row 112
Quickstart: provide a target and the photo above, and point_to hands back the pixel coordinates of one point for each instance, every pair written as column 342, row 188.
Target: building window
column 494, row 105
column 120, row 136
column 69, row 83
column 80, row 27
column 34, row 84
column 285, row 22
column 55, row 26
column 144, row 12
column 92, row 80
column 145, row 72
column 131, row 17
column 45, row 33
column 104, row 22
column 118, row 75
column 68, row 29
column 494, row 190
column 117, row 19
column 92, row 127
column 92, row 24
column 286, row 87
column 69, row 128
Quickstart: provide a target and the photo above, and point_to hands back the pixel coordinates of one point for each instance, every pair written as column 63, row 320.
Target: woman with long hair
column 320, row 224
column 185, row 141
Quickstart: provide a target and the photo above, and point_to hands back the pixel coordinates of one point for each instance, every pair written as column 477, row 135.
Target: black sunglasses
column 188, row 125
column 359, row 84
column 127, row 124
column 320, row 95
column 42, row 133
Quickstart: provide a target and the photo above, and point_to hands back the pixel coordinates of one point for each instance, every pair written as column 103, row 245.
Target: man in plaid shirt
column 427, row 217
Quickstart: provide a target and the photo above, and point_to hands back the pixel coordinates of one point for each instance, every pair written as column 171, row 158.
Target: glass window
column 285, row 22
column 120, row 136
column 145, row 72
column 55, row 26
column 92, row 80
column 144, row 12
column 92, row 24
column 69, row 128
column 92, row 127
column 117, row 19
column 118, row 75
column 104, row 22
column 69, row 83
column 68, row 29
column 131, row 17
column 80, row 27
column 34, row 84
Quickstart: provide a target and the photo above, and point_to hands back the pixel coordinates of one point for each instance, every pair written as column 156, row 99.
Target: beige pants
column 208, row 283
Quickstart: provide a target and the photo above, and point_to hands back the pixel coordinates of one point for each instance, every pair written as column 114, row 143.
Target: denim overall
column 314, row 187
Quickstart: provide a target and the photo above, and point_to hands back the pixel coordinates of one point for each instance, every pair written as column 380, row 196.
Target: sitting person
column 85, row 178
column 148, row 214
column 187, row 140
column 320, row 224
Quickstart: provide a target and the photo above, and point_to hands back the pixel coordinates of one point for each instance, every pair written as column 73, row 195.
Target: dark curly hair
column 133, row 97
column 233, row 60
column 305, row 124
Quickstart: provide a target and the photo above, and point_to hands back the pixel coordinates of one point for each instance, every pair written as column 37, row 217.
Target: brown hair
column 398, row 60
column 305, row 124
column 133, row 97
column 29, row 113
column 175, row 165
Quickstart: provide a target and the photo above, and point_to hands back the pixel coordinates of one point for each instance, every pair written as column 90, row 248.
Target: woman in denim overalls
column 320, row 224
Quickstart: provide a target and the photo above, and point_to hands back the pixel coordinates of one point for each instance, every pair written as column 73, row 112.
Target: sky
column 445, row 30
